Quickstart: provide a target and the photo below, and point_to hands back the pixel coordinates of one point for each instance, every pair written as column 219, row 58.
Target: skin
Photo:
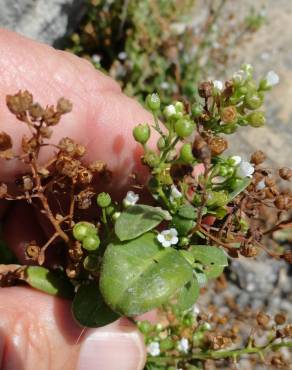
column 36, row 330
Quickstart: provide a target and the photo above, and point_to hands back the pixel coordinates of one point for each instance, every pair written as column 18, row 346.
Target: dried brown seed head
column 46, row 132
column 280, row 318
column 27, row 183
column 85, row 176
column 5, row 141
column 97, row 166
column 217, row 145
column 36, row 111
column 32, row 251
column 19, row 102
column 84, row 199
column 29, row 145
column 263, row 319
column 64, row 106
column 287, row 331
column 258, row 157
column 67, row 146
column 285, row 173
column 205, row 89
column 67, row 166
column 249, row 251
column 283, row 202
column 51, row 117
column 229, row 114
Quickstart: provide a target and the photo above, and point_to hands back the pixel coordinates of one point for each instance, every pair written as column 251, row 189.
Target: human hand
column 37, row 330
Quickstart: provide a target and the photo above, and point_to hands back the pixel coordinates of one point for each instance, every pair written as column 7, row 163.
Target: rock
column 42, row 20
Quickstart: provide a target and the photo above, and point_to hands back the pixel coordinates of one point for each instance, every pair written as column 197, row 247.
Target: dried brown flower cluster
column 64, row 179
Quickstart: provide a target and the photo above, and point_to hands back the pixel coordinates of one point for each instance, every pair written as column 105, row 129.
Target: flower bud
column 161, row 143
column 197, row 110
column 253, row 100
column 229, row 114
column 103, row 200
column 256, row 119
column 141, row 133
column 184, row 127
column 153, row 101
column 169, row 111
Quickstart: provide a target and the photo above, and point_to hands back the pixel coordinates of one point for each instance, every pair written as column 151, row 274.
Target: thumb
column 37, row 333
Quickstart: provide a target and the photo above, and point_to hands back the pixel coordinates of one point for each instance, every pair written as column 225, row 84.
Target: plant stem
column 216, row 355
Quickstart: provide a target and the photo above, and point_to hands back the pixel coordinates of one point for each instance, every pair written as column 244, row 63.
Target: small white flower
column 261, row 185
column 122, row 55
column 272, row 78
column 153, row 349
column 168, row 237
column 183, row 345
column 245, row 169
column 130, row 199
column 178, row 28
column 236, row 160
column 175, row 193
column 169, row 111
column 218, row 85
column 164, row 85
column 195, row 310
column 96, row 58
column 239, row 76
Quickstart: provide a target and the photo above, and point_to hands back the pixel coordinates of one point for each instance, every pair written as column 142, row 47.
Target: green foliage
column 47, row 281
column 212, row 259
column 137, row 220
column 89, row 309
column 139, row 275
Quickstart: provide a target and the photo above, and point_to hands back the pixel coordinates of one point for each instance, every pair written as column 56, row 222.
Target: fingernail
column 116, row 346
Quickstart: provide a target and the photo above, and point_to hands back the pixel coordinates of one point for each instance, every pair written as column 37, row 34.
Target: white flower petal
column 153, row 349
column 261, row 185
column 174, row 240
column 175, row 193
column 218, row 85
column 236, row 159
column 173, row 231
column 272, row 78
column 183, row 345
column 245, row 169
column 166, row 243
column 160, row 238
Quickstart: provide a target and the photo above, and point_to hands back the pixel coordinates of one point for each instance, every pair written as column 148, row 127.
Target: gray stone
column 42, row 20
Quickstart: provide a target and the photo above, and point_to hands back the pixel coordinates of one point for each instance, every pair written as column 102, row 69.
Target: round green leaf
column 212, row 259
column 89, row 309
column 188, row 295
column 137, row 220
column 48, row 281
column 140, row 274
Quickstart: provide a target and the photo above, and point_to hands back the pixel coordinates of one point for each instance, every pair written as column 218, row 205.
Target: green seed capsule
column 186, row 153
column 153, row 101
column 217, row 199
column 256, row 119
column 184, row 127
column 91, row 242
column 161, row 143
column 103, row 200
column 197, row 110
column 82, row 229
column 90, row 263
column 254, row 100
column 141, row 133
column 182, row 225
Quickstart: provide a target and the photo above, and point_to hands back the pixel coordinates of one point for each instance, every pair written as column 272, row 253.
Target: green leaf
column 213, row 259
column 242, row 184
column 137, row 220
column 139, row 275
column 188, row 295
column 190, row 212
column 89, row 308
column 49, row 282
column 201, row 277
